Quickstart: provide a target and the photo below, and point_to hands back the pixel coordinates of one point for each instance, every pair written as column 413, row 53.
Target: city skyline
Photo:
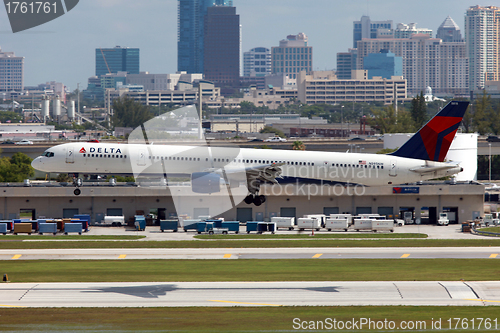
column 63, row 50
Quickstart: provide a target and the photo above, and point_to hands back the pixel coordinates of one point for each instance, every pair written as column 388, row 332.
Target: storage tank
column 56, row 107
column 45, row 108
column 71, row 110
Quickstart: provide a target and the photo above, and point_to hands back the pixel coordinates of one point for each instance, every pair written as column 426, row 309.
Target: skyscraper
column 190, row 33
column 449, row 31
column 257, row 62
column 221, row 45
column 482, row 37
column 292, row 56
column 11, row 72
column 117, row 59
column 365, row 28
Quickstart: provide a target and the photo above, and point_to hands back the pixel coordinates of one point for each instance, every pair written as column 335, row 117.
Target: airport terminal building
column 464, row 201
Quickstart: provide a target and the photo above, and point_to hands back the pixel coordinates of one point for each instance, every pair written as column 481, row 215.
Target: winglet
column 432, row 141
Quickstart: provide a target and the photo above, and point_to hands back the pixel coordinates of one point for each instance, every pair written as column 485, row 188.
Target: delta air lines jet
column 420, row 158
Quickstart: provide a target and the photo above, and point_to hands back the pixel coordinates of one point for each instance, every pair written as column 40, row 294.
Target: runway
column 255, row 253
column 213, row 294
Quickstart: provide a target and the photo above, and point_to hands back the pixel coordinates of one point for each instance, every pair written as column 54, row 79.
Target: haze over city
column 63, row 50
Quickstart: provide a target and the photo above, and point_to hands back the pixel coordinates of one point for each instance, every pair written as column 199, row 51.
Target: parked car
column 24, row 142
column 256, row 140
column 356, row 139
column 493, row 138
column 275, row 139
column 8, row 142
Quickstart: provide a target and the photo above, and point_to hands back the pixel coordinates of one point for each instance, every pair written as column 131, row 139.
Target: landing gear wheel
column 249, row 199
column 77, row 191
column 259, row 200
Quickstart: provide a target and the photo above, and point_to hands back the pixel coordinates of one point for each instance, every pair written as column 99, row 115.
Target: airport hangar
column 465, row 199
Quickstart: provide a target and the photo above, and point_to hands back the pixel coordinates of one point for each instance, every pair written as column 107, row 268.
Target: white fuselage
column 160, row 160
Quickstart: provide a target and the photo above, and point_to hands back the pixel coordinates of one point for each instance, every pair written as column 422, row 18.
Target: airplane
column 422, row 157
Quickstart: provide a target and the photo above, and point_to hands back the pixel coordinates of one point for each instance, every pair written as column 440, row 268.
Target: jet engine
column 205, row 182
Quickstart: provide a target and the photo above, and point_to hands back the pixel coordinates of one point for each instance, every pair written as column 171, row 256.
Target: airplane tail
column 432, row 141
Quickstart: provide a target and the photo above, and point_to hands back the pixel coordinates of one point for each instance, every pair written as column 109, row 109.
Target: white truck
column 308, row 223
column 443, row 219
column 283, row 222
column 113, row 221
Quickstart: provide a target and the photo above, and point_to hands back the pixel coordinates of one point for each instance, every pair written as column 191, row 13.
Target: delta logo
column 101, row 150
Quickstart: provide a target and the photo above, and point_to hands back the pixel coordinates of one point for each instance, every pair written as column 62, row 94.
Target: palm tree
column 298, row 145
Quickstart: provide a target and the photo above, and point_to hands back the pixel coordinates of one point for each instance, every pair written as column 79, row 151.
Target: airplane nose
column 36, row 162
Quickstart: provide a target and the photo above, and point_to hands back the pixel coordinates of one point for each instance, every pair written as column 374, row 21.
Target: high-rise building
column 11, row 72
column 257, row 62
column 449, row 31
column 292, row 56
column 190, row 34
column 117, row 59
column 365, row 28
column 221, row 58
column 346, row 63
column 482, row 36
column 427, row 62
column 384, row 64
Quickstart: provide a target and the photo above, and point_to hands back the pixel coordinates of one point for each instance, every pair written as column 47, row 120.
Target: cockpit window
column 48, row 154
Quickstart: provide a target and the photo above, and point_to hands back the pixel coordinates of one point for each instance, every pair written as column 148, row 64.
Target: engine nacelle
column 205, row 182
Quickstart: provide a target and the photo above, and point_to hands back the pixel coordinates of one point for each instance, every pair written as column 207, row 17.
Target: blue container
column 217, row 223
column 169, row 225
column 205, row 226
column 140, row 223
column 265, row 226
column 73, row 227
column 3, row 228
column 251, row 226
column 47, row 227
column 231, row 226
column 190, row 225
column 84, row 219
column 10, row 224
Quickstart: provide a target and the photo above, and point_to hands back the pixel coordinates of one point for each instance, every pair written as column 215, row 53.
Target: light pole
column 489, row 158
column 342, row 120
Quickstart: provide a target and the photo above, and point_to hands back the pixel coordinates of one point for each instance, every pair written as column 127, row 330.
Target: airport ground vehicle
column 443, row 219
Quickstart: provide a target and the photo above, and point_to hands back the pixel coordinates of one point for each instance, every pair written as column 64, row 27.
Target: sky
column 63, row 50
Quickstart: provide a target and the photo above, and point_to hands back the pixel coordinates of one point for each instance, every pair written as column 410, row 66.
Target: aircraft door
column 393, row 171
column 141, row 158
column 70, row 156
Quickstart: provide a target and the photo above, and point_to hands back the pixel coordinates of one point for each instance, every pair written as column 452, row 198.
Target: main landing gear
column 77, row 182
column 257, row 200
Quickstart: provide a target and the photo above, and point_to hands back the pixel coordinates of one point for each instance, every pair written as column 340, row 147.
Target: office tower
column 117, row 59
column 292, row 56
column 221, row 59
column 426, row 62
column 365, row 28
column 384, row 64
column 482, row 36
column 257, row 62
column 449, row 31
column 190, row 33
column 11, row 72
column 346, row 62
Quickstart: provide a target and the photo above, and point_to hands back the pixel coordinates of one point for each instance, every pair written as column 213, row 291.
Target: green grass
column 307, row 235
column 259, row 243
column 251, row 270
column 60, row 237
column 490, row 229
column 232, row 319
